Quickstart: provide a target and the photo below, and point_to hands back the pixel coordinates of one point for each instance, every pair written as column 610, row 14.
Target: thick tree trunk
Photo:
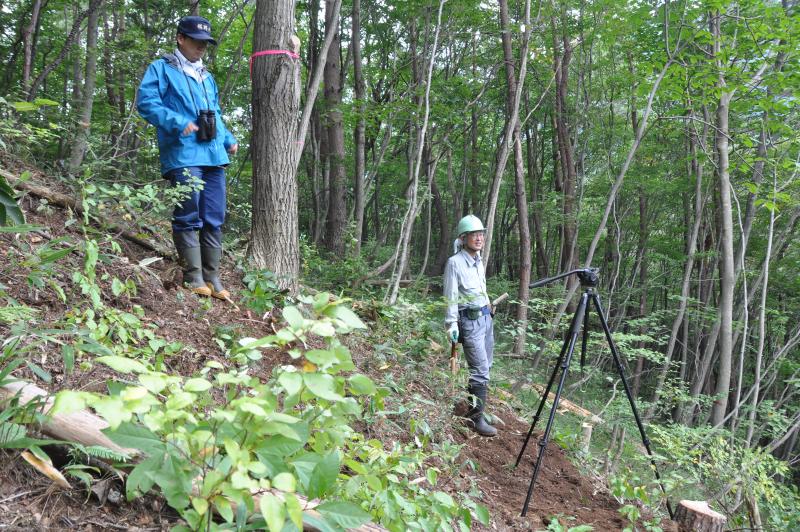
column 85, row 117
column 276, row 101
column 336, row 226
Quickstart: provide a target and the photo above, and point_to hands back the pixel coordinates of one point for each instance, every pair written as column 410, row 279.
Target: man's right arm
column 450, row 294
column 151, row 106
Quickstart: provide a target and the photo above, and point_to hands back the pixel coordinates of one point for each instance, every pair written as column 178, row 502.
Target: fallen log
column 81, row 427
column 569, row 405
column 68, row 202
column 85, row 428
column 697, row 516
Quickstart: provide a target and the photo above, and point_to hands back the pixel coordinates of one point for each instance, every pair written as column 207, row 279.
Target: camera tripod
column 589, row 279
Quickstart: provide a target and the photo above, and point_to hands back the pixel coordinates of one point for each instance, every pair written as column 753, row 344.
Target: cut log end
column 697, row 516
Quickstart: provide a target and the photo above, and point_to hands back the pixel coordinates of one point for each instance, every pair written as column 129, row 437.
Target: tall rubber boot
column 191, row 261
column 479, row 424
column 211, row 250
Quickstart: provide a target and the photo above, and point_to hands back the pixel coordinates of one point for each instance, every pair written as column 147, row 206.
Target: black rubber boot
column 478, row 422
column 211, row 249
column 191, row 259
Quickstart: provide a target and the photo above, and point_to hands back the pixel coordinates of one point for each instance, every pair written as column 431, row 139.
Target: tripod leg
column 621, row 371
column 585, row 336
column 572, row 340
column 544, row 396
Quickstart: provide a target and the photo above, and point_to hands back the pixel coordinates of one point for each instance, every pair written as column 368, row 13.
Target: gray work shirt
column 464, row 284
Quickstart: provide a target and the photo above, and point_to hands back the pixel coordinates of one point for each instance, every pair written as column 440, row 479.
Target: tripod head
column 589, row 277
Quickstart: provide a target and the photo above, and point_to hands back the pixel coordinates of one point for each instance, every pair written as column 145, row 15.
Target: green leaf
column 112, row 409
column 293, row 317
column 346, row 514
column 322, row 385
column 224, row 508
column 273, row 512
column 321, row 357
column 284, row 481
column 133, row 436
column 122, row 364
column 294, row 510
column 362, row 385
column 24, row 107
column 324, row 475
column 350, row 319
column 68, row 401
column 118, row 287
column 196, row 385
column 291, row 382
column 482, row 513
column 444, row 498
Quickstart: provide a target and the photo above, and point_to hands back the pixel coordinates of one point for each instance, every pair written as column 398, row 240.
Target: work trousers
column 203, row 208
column 477, row 336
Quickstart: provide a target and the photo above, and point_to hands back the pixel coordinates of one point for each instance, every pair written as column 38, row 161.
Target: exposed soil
column 30, row 501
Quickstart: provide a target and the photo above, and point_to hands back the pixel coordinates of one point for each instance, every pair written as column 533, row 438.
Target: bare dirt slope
column 29, row 501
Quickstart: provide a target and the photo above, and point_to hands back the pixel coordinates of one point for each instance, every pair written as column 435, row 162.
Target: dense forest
column 654, row 140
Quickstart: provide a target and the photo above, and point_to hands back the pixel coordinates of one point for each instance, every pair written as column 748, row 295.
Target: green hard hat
column 468, row 224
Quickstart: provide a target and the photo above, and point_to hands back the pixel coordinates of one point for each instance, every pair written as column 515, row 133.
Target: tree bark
column 358, row 134
column 336, row 225
column 276, row 101
column 725, row 308
column 85, row 118
column 68, row 44
column 28, row 43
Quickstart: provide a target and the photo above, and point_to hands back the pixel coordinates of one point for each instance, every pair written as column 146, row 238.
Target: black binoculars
column 207, row 125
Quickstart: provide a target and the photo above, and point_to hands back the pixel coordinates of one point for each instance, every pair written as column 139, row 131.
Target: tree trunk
column 276, row 101
column 336, row 226
column 85, row 117
column 358, row 135
column 725, row 312
column 28, row 43
column 68, row 44
column 520, row 191
column 696, row 516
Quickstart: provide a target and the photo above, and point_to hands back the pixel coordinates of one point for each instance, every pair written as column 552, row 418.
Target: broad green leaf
column 68, row 401
column 482, row 513
column 273, row 512
column 294, row 510
column 112, row 409
column 324, row 475
column 350, row 319
column 322, row 385
column 285, row 482
column 291, row 382
column 122, row 364
column 200, row 505
column 133, row 436
column 346, row 514
column 321, row 357
column 293, row 317
column 362, row 385
column 196, row 385
column 224, row 508
column 155, row 382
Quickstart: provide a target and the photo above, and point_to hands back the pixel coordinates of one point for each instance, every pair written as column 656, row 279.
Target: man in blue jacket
column 180, row 98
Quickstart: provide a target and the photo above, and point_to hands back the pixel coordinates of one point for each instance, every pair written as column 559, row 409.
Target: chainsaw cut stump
column 697, row 516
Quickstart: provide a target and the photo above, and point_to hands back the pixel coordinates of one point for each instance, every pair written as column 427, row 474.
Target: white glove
column 452, row 332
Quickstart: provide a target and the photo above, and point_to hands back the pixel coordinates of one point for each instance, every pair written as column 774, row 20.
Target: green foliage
column 214, row 440
column 702, row 464
column 262, row 292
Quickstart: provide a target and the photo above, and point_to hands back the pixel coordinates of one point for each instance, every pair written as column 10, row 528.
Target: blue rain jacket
column 164, row 100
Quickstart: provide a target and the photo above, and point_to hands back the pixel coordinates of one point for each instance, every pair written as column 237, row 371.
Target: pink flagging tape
column 271, row 52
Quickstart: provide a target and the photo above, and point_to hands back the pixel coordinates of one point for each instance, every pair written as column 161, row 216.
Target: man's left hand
column 233, row 149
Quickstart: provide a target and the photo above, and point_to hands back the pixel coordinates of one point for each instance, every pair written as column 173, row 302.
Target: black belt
column 484, row 311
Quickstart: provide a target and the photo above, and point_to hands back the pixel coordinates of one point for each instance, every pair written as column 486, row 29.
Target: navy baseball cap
column 196, row 28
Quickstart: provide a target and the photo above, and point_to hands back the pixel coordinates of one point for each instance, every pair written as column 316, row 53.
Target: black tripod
column 589, row 279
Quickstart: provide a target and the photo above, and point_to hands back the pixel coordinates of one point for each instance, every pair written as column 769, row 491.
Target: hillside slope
column 29, row 500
